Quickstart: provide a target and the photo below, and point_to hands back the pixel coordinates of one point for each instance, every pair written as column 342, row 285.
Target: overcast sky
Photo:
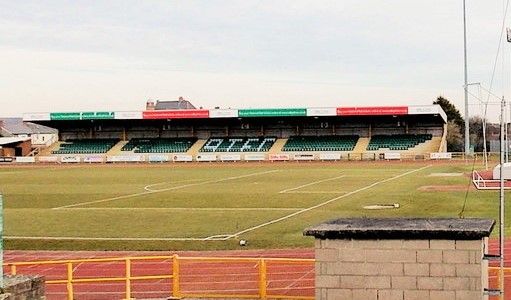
column 114, row 55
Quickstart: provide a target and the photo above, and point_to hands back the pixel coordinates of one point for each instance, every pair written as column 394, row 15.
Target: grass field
column 212, row 206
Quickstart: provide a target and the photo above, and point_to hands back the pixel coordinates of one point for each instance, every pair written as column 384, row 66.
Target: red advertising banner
column 176, row 114
column 372, row 111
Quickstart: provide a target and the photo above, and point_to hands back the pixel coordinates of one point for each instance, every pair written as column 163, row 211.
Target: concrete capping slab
column 403, row 228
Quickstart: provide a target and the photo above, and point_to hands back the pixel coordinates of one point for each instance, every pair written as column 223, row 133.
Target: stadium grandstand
column 176, row 130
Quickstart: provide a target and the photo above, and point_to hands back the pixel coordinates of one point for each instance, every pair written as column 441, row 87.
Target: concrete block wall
column 401, row 258
column 23, row 287
column 400, row 269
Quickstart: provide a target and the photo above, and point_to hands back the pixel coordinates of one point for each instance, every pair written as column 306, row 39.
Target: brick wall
column 400, row 269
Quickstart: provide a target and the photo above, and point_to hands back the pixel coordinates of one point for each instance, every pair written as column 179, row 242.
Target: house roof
column 15, row 126
column 11, row 140
column 180, row 104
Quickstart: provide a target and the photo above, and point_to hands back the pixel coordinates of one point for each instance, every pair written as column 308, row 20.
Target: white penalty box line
column 309, row 184
column 325, row 203
column 146, row 192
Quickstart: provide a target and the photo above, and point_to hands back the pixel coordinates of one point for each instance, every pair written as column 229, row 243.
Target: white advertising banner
column 392, row 155
column 125, row 158
column 230, row 157
column 157, row 158
column 128, row 115
column 422, row 110
column 427, row 110
column 330, row 156
column 255, row 157
column 440, row 155
column 321, row 111
column 25, row 159
column 70, row 159
column 182, row 158
column 303, row 156
column 223, row 113
column 93, row 159
column 206, row 157
column 278, row 157
column 48, row 159
column 36, row 117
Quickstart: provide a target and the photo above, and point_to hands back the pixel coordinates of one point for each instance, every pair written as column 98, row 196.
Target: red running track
column 197, row 277
column 230, row 278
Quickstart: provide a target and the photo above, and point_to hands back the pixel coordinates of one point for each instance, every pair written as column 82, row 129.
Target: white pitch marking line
column 148, row 187
column 190, row 208
column 325, row 203
column 71, row 238
column 168, row 189
column 316, row 192
column 310, row 183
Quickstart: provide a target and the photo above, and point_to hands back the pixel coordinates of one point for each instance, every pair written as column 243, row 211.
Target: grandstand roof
column 434, row 110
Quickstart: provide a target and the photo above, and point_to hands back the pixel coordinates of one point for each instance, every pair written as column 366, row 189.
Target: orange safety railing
column 254, row 278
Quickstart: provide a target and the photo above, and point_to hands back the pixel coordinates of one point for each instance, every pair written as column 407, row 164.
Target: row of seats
column 321, row 143
column 242, row 144
column 86, row 146
column 161, row 145
column 397, row 141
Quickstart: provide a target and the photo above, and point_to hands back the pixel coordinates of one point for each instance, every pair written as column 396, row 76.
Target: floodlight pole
column 467, row 132
column 502, row 201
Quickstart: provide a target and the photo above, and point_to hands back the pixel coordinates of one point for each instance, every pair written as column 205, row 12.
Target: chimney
column 149, row 105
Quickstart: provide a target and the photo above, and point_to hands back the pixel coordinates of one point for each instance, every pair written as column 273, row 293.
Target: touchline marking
column 72, row 238
column 167, row 189
column 325, row 203
column 311, row 183
column 190, row 208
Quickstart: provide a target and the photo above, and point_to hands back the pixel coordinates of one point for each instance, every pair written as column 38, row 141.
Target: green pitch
column 212, row 206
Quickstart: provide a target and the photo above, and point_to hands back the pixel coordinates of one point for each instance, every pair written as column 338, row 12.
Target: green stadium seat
column 86, row 146
column 159, row 145
column 397, row 142
column 238, row 144
column 321, row 143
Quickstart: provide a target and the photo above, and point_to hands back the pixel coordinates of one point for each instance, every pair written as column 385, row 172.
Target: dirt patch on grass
column 443, row 188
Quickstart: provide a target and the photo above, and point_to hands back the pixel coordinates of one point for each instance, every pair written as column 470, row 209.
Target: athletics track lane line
column 324, row 203
column 165, row 190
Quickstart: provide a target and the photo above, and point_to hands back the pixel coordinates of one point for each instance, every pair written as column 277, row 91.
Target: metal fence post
column 262, row 279
column 69, row 284
column 176, row 292
column 128, row 279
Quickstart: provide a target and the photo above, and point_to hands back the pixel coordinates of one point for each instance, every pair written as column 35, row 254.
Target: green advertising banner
column 98, row 115
column 273, row 112
column 101, row 115
column 65, row 116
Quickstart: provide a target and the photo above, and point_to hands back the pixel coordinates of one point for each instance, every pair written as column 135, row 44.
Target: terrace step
column 361, row 145
column 48, row 150
column 194, row 149
column 116, row 150
column 277, row 146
